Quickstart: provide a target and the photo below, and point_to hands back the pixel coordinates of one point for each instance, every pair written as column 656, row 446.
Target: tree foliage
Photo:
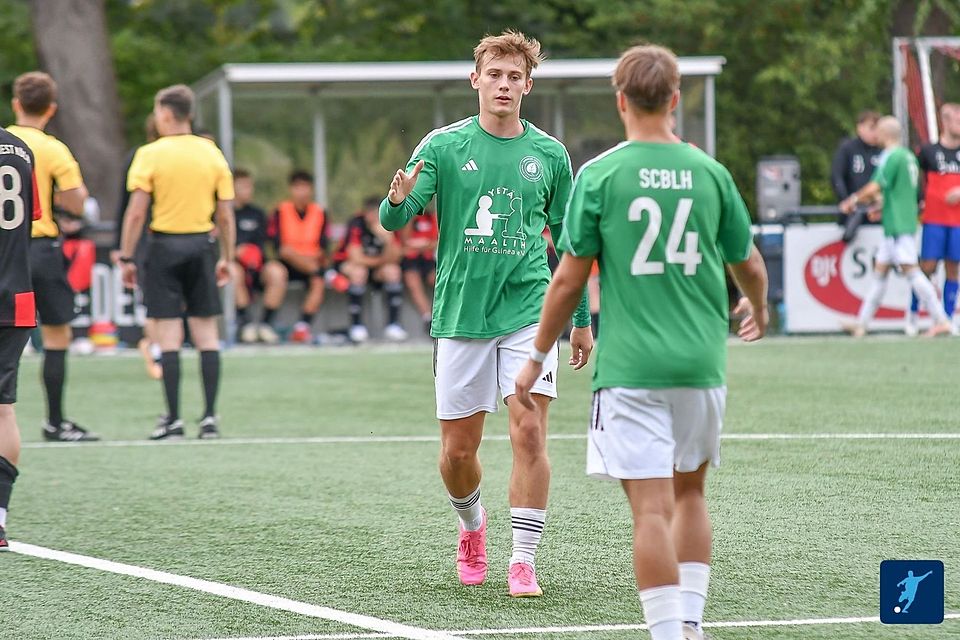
column 797, row 71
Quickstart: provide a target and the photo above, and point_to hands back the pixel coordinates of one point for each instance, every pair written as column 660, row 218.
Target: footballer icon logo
column 531, row 168
column 911, row 591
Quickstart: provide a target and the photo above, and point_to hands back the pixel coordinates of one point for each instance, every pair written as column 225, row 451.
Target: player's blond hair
column 510, row 43
column 35, row 91
column 647, row 75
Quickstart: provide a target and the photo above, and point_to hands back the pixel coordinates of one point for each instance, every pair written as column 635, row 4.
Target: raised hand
column 403, row 183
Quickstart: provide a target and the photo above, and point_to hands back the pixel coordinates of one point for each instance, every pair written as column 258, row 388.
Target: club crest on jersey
column 531, row 168
column 499, row 224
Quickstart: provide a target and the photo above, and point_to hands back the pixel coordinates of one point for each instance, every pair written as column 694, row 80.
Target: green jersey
column 494, row 198
column 897, row 175
column 661, row 219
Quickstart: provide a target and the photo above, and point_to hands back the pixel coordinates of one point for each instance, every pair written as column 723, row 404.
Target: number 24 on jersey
column 689, row 256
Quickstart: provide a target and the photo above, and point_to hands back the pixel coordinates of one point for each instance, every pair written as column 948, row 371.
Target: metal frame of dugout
column 319, row 84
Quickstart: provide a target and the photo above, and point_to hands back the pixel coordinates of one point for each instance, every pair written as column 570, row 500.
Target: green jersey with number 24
column 662, row 219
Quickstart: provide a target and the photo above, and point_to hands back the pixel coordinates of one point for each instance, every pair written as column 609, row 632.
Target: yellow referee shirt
column 54, row 165
column 185, row 174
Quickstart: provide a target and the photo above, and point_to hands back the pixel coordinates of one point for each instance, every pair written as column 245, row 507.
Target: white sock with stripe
column 469, row 509
column 527, row 529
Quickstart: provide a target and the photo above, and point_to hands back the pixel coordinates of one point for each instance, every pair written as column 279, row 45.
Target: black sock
column 307, row 317
column 394, row 291
column 8, row 475
column 170, row 362
column 210, row 372
column 243, row 316
column 54, row 373
column 355, row 303
column 268, row 315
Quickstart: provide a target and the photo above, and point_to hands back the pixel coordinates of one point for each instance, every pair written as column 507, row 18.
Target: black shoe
column 4, row 545
column 167, row 430
column 208, row 428
column 68, row 431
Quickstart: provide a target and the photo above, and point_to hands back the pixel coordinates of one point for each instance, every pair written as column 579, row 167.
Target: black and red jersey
column 941, row 168
column 19, row 207
column 358, row 234
column 425, row 229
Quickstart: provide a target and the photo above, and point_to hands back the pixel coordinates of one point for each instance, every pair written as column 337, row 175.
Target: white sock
column 469, row 509
column 694, row 581
column 927, row 295
column 661, row 609
column 3, row 517
column 527, row 529
column 872, row 302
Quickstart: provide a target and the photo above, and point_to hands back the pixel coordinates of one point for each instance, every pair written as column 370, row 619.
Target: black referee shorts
column 48, row 269
column 12, row 342
column 180, row 276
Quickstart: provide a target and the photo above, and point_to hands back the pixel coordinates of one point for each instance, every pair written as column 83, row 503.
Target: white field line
column 489, row 438
column 235, row 593
column 591, row 628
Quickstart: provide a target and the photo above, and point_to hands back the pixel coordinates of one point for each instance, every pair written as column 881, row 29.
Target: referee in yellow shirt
column 34, row 104
column 187, row 178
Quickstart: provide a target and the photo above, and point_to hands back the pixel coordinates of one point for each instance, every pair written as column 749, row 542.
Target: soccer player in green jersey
column 662, row 218
column 895, row 180
column 498, row 181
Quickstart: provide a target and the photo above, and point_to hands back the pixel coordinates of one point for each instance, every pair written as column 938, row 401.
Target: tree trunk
column 73, row 47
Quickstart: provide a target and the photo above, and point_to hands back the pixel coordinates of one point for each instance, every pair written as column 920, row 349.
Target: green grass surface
column 800, row 525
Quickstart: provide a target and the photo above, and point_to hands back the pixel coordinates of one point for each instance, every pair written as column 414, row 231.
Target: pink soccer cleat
column 523, row 581
column 472, row 555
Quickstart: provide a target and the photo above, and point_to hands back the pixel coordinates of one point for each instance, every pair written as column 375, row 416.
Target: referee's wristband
column 125, row 260
column 538, row 356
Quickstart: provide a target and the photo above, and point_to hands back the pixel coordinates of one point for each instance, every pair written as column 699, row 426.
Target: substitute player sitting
column 419, row 261
column 369, row 253
column 250, row 271
column 498, row 180
column 896, row 179
column 662, row 218
column 299, row 230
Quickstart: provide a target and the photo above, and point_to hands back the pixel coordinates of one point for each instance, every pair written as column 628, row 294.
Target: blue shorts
column 940, row 242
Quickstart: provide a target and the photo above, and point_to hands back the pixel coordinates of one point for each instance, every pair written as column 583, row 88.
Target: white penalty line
column 385, row 627
column 732, row 624
column 489, row 438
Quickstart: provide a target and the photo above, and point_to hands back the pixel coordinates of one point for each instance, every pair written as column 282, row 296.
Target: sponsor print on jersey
column 499, row 224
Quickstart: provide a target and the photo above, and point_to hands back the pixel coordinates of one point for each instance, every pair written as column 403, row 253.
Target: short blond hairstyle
column 179, row 99
column 509, row 43
column 648, row 75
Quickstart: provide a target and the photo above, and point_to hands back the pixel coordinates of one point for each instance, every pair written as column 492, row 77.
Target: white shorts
column 898, row 250
column 469, row 373
column 638, row 434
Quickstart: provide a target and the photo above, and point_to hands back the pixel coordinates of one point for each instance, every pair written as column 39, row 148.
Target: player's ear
column 51, row 111
column 474, row 79
column 621, row 102
column 529, row 86
column 675, row 100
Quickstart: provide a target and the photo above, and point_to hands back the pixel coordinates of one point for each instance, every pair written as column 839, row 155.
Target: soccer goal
column 926, row 73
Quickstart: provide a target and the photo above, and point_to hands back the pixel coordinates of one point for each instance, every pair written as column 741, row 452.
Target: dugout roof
column 559, row 81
